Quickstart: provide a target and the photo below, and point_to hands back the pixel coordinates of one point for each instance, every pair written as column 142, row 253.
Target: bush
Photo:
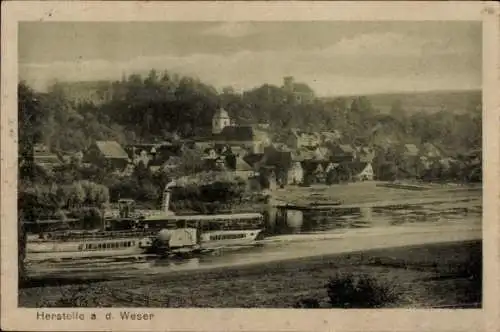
column 353, row 291
column 307, row 304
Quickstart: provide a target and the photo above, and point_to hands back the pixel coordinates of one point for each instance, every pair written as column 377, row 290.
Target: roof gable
column 411, row 149
column 111, row 149
column 237, row 133
column 357, row 167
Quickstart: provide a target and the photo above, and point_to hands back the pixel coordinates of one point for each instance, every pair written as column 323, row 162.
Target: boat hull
column 217, row 239
column 85, row 248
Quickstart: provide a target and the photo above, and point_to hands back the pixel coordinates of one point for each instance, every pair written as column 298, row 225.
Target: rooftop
column 111, row 149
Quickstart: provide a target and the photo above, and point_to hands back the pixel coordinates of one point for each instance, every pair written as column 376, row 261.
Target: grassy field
column 427, row 101
column 437, row 275
column 369, row 192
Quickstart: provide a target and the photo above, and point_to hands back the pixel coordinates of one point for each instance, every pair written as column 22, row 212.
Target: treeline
column 158, row 105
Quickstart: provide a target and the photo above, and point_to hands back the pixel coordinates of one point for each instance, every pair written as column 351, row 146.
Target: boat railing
column 66, row 236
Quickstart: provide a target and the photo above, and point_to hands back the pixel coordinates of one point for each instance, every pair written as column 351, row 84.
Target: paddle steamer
column 129, row 232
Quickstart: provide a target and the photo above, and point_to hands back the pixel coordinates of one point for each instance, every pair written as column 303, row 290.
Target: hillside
column 429, row 101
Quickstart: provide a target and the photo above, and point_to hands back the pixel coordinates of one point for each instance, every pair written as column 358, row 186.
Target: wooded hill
column 155, row 106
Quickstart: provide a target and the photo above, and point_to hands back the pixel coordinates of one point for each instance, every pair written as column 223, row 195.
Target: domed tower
column 220, row 121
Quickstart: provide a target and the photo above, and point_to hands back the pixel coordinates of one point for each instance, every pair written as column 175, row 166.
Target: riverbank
column 372, row 193
column 431, row 275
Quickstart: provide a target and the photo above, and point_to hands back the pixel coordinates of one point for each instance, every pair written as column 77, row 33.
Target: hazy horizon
column 334, row 58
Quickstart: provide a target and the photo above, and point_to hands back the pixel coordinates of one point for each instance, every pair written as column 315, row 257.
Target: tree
column 30, row 128
column 191, row 162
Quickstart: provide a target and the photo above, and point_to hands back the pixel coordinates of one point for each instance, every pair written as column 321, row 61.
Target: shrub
column 359, row 291
column 307, row 303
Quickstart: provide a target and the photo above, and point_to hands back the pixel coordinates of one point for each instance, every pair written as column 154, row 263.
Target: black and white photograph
column 312, row 164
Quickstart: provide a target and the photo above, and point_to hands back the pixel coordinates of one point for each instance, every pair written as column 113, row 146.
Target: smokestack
column 166, row 200
column 166, row 196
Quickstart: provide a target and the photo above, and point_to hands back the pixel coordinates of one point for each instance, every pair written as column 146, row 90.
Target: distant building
column 330, row 136
column 239, row 166
column 96, row 92
column 248, row 137
column 46, row 159
column 365, row 154
column 429, row 150
column 343, row 153
column 361, row 171
column 297, row 139
column 107, row 154
column 287, row 165
column 299, row 92
column 220, row 121
column 410, row 150
column 168, row 166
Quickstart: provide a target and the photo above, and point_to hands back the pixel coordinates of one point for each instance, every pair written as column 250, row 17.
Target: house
column 287, row 165
column 410, row 150
column 361, row 171
column 46, row 160
column 429, row 150
column 239, row 166
column 107, row 154
column 314, row 171
column 168, row 166
column 247, row 137
column 203, row 144
column 210, row 153
column 143, row 157
column 267, row 178
column 342, row 153
column 365, row 154
column 330, row 136
column 297, row 139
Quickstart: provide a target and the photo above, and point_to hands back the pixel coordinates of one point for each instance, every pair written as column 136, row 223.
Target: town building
column 342, row 153
column 297, row 139
column 107, row 154
column 247, row 137
column 410, row 150
column 365, row 154
column 96, row 92
column 252, row 138
column 297, row 92
column 330, row 136
column 429, row 150
column 361, row 171
column 286, row 164
column 220, row 121
column 43, row 157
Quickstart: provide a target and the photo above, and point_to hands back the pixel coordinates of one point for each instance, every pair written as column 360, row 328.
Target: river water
column 307, row 233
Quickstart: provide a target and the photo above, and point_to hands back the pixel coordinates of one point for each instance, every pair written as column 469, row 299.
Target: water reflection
column 295, row 221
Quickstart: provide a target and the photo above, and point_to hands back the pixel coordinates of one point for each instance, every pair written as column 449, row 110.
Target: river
column 305, row 234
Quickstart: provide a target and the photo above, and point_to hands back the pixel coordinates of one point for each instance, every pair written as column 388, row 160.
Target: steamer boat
column 128, row 232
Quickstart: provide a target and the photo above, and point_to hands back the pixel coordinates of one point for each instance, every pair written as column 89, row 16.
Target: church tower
column 220, row 121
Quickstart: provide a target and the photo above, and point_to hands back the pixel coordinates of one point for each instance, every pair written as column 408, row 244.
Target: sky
column 334, row 58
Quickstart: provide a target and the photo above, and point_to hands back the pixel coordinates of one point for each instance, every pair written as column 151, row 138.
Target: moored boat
column 87, row 244
column 130, row 233
column 205, row 232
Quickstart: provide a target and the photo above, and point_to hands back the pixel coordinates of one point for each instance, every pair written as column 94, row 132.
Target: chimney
column 166, row 197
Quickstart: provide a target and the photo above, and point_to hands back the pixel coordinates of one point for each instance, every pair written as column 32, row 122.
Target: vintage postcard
column 250, row 166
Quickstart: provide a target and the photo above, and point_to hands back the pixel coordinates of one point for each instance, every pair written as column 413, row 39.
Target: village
column 255, row 152
column 249, row 172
